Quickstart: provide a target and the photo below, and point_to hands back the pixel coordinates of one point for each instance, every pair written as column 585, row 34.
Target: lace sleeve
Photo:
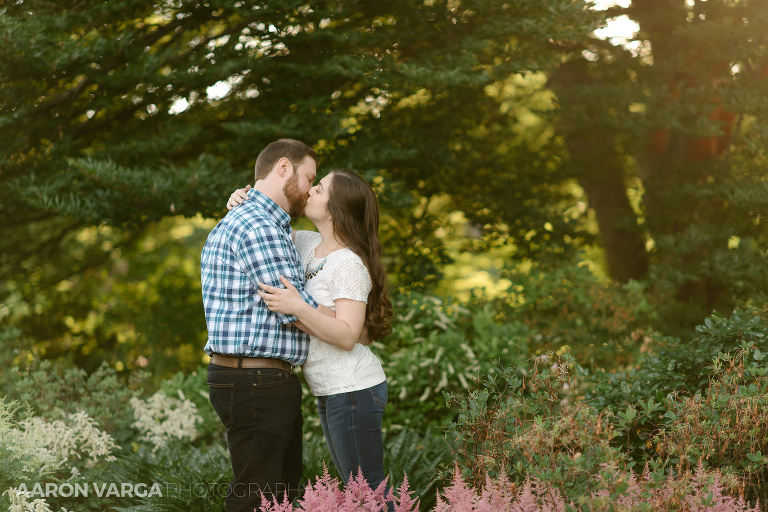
column 350, row 280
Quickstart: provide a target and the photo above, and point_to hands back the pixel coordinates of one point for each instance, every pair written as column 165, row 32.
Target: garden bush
column 682, row 427
column 528, row 424
column 437, row 346
column 640, row 395
column 47, row 388
column 724, row 426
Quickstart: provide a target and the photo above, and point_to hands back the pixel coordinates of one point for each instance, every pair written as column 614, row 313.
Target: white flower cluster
column 161, row 418
column 20, row 502
column 44, row 446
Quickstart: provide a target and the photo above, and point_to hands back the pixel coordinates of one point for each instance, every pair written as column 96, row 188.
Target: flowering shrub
column 726, row 425
column 46, row 388
column 500, row 496
column 19, row 502
column 40, row 448
column 43, row 447
column 527, row 424
column 161, row 418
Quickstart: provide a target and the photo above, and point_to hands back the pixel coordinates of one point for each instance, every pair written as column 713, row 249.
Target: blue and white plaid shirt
column 251, row 244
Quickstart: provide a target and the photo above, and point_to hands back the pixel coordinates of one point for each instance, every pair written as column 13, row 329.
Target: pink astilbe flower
column 459, row 497
column 536, row 496
column 496, row 496
column 704, row 485
column 358, row 495
column 403, row 502
column 633, row 496
column 323, row 496
column 533, row 496
column 271, row 505
column 700, row 492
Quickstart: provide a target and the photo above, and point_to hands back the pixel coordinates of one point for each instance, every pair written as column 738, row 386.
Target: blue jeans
column 261, row 409
column 352, row 426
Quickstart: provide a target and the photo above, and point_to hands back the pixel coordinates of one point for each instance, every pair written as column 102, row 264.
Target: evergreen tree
column 125, row 112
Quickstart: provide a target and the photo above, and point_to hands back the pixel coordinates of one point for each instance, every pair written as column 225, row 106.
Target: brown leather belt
column 251, row 362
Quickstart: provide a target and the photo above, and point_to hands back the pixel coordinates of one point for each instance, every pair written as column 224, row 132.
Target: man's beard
column 296, row 200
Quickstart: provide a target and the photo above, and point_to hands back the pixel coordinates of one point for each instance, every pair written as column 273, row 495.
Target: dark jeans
column 261, row 408
column 352, row 426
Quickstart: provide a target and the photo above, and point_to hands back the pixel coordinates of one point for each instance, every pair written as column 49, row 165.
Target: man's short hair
column 295, row 151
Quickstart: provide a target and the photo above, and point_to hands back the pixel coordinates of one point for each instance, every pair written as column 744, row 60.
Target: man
column 253, row 351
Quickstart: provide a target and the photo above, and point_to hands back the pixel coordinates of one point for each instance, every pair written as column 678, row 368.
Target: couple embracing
column 276, row 298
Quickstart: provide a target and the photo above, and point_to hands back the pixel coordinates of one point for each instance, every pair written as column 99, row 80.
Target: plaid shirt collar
column 271, row 208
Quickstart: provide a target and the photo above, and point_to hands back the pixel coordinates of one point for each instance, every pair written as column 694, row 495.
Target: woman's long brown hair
column 355, row 213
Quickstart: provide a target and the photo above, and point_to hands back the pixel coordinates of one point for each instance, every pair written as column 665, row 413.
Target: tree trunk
column 590, row 143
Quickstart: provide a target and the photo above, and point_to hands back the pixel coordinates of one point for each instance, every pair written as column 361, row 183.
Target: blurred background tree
column 665, row 130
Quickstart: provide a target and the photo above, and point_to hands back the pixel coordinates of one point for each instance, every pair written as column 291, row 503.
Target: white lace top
column 330, row 370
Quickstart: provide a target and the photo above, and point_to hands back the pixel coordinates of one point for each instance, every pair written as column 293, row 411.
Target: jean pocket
column 222, row 397
column 380, row 394
column 269, row 378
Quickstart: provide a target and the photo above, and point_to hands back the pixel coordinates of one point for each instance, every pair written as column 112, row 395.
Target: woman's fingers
column 238, row 197
column 266, row 288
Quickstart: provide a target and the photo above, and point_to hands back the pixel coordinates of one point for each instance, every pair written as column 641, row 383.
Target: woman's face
column 317, row 204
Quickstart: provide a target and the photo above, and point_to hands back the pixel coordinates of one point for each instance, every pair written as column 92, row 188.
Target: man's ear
column 284, row 166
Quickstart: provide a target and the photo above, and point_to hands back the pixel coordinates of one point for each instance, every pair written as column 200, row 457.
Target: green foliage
column 439, row 346
column 131, row 302
column 724, row 425
column 640, row 394
column 416, row 454
column 602, row 323
column 47, row 389
column 189, row 477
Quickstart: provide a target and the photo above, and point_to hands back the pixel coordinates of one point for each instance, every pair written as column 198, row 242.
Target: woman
column 342, row 263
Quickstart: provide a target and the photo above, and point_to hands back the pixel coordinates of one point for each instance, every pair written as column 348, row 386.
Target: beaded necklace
column 309, row 273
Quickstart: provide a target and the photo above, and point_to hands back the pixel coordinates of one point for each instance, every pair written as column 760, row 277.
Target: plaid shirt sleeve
column 264, row 256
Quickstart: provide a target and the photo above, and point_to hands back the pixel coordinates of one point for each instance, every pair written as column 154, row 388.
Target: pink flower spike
column 323, row 496
column 459, row 497
column 272, row 505
column 404, row 502
column 358, row 496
